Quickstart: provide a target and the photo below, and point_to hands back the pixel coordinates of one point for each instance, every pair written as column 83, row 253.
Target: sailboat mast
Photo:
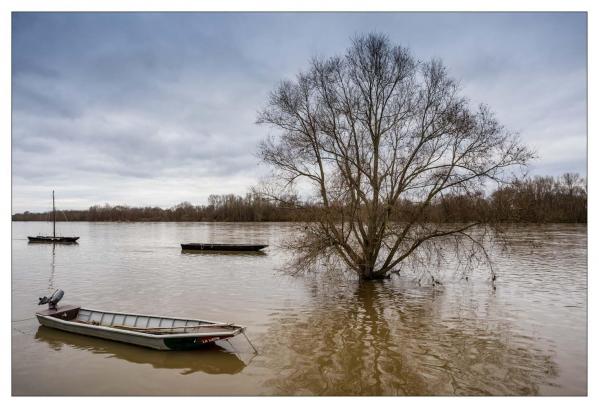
column 53, row 217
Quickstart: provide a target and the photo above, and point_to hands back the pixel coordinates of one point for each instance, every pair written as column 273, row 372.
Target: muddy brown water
column 528, row 336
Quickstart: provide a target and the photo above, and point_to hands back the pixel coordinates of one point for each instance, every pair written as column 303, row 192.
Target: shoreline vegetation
column 530, row 200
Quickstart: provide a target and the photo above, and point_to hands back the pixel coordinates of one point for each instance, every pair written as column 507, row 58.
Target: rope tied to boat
column 248, row 340
column 26, row 333
column 22, row 320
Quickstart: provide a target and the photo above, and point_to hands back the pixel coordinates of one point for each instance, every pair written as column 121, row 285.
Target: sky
column 160, row 108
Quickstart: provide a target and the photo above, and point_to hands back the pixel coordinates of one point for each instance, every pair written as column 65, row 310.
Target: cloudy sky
column 156, row 109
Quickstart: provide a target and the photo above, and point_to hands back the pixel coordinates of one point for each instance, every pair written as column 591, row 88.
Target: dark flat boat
column 157, row 332
column 223, row 247
column 53, row 238
column 58, row 240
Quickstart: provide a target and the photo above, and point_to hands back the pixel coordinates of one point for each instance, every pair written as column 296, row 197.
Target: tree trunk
column 368, row 273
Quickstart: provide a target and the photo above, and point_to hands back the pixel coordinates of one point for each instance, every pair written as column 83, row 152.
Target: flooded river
column 528, row 336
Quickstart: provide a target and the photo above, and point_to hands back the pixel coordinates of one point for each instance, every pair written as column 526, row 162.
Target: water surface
column 526, row 336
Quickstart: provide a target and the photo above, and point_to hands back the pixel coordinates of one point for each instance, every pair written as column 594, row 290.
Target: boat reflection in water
column 213, row 359
column 36, row 241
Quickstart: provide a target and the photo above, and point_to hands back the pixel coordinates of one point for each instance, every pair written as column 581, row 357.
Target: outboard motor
column 53, row 300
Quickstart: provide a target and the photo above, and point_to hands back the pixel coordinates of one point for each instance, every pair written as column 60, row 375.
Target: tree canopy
column 373, row 129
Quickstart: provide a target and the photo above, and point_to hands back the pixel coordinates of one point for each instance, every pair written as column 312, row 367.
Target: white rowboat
column 157, row 332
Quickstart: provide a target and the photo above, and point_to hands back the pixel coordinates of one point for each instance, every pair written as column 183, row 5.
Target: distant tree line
column 537, row 200
column 225, row 207
column 542, row 199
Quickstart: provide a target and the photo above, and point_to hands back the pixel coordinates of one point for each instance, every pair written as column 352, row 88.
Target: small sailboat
column 53, row 238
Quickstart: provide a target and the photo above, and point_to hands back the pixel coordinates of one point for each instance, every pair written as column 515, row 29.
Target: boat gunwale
column 236, row 331
column 51, row 237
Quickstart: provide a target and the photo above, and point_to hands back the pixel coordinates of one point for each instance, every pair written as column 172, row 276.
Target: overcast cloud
column 156, row 109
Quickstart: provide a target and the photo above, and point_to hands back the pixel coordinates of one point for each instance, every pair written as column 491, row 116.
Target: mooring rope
column 22, row 332
column 248, row 340
column 22, row 320
column 231, row 344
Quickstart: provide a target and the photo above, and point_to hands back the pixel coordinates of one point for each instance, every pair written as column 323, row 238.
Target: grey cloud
column 130, row 107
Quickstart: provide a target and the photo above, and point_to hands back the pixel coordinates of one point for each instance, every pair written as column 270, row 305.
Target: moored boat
column 59, row 240
column 157, row 332
column 223, row 247
column 53, row 238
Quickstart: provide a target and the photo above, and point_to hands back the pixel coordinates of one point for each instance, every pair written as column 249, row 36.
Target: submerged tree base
column 375, row 277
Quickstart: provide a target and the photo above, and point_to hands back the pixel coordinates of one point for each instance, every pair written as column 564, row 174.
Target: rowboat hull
column 222, row 247
column 54, row 240
column 185, row 335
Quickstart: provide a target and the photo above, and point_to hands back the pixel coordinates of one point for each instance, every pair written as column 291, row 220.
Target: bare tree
column 373, row 129
column 573, row 184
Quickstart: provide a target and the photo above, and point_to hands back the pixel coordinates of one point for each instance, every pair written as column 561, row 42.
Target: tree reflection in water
column 375, row 339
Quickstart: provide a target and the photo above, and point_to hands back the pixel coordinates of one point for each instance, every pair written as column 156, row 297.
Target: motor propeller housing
column 53, row 300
